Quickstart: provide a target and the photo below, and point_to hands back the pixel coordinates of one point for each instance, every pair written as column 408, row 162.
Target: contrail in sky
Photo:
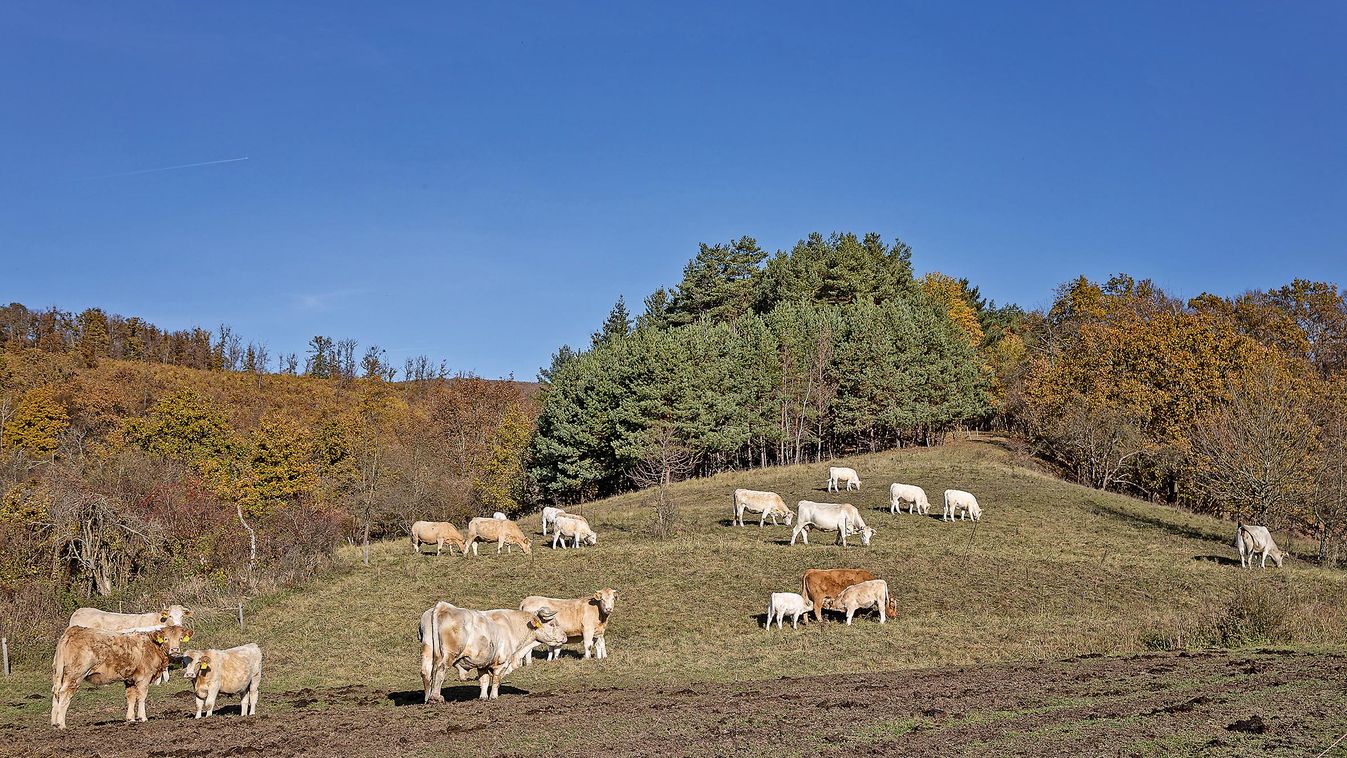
column 167, row 168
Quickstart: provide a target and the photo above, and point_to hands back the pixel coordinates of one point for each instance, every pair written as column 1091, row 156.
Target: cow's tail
column 58, row 667
column 1239, row 536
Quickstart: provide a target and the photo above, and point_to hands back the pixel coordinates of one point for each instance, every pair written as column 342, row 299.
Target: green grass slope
column 1053, row 570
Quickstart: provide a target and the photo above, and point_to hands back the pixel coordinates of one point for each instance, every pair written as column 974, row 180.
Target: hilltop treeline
column 828, row 348
column 1230, row 405
column 136, row 481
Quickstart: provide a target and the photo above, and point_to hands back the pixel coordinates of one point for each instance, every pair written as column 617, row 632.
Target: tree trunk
column 365, row 540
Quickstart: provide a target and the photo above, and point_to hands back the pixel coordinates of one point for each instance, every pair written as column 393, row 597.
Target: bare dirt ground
column 1200, row 703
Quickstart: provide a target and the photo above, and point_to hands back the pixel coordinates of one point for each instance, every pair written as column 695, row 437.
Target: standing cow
column 133, row 658
column 500, row 531
column 960, row 503
column 585, row 618
column 484, row 644
column 817, row 584
column 1252, row 541
column 844, row 476
column 763, row 503
column 235, row 671
column 843, row 518
column 873, row 593
column 914, row 496
column 437, row 532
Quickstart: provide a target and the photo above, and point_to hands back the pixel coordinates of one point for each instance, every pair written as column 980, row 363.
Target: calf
column 575, row 527
column 549, row 516
column 134, row 658
column 914, row 496
column 869, row 594
column 236, row 671
column 961, row 503
column 438, row 532
column 585, row 618
column 782, row 604
column 842, row 475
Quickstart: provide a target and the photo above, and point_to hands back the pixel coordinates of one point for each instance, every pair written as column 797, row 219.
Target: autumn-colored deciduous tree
column 36, row 423
column 952, row 296
column 501, row 482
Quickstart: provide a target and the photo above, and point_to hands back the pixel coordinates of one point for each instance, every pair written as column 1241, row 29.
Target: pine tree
column 616, row 326
column 719, row 282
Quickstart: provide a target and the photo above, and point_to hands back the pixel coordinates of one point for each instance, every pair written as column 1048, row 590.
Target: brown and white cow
column 500, row 531
column 817, row 584
column 134, row 658
column 438, row 533
column 484, row 644
column 585, row 618
column 235, row 671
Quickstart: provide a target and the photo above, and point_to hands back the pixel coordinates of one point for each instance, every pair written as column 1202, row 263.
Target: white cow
column 764, row 503
column 1254, row 541
column 550, row 516
column 108, row 621
column 962, row 503
column 871, row 594
column 914, row 496
column 500, row 516
column 236, row 671
column 843, row 475
column 842, row 518
column 575, row 527
column 784, row 604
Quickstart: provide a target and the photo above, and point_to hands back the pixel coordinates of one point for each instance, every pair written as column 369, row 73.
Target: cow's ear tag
column 158, row 638
column 187, row 637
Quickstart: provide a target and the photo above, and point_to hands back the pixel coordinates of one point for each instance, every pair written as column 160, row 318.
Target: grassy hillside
column 1053, row 570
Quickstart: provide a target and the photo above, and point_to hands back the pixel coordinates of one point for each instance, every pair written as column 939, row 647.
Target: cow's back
column 832, row 581
column 571, row 612
column 93, row 618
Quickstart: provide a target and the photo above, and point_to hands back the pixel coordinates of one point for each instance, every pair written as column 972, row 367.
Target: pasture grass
column 1053, row 570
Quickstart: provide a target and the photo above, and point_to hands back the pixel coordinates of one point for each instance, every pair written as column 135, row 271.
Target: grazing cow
column 914, row 496
column 134, row 658
column 783, row 604
column 236, row 671
column 575, row 527
column 550, row 514
column 816, row 584
column 842, row 475
column 438, row 532
column 1256, row 541
column 107, row 621
column 840, row 517
column 764, row 503
column 873, row 593
column 585, row 618
column 501, row 532
column 962, row 503
column 484, row 644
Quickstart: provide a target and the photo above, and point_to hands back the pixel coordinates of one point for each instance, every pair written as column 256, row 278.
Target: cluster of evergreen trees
column 828, row 348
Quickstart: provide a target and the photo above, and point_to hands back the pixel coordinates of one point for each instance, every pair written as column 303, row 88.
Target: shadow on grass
column 1219, row 559
column 460, row 694
column 1152, row 522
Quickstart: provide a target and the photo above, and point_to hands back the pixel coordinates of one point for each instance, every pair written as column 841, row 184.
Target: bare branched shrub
column 1257, row 612
column 667, row 460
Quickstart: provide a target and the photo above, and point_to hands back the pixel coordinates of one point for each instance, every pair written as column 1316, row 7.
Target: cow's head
column 891, row 608
column 526, row 546
column 189, row 660
column 828, row 603
column 545, row 628
column 1276, row 555
column 592, row 538
column 790, row 516
column 606, row 598
column 170, row 639
column 808, row 605
column 205, row 670
column 866, row 534
column 174, row 614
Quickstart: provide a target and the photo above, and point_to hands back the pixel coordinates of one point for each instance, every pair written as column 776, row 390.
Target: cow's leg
column 130, row 702
column 142, row 695
column 600, row 647
column 795, row 621
column 210, row 701
column 879, row 608
column 67, row 694
column 554, row 540
column 254, row 695
column 850, row 612
column 485, row 681
column 588, row 635
column 762, row 519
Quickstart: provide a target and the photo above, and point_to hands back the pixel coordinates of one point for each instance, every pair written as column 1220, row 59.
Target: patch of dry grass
column 1053, row 570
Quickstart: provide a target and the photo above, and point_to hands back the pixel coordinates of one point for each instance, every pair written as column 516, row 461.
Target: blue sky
column 480, row 182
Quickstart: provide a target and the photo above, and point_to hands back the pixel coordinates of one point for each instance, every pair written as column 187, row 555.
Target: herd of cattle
column 102, row 647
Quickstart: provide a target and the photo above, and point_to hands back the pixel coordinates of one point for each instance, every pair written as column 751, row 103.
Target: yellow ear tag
column 158, row 638
column 186, row 638
column 203, row 667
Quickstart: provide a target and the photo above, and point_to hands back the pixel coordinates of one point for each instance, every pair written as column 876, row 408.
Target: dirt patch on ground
column 1206, row 703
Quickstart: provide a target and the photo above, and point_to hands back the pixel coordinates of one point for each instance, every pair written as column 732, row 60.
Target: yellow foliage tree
column 38, row 422
column 949, row 293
